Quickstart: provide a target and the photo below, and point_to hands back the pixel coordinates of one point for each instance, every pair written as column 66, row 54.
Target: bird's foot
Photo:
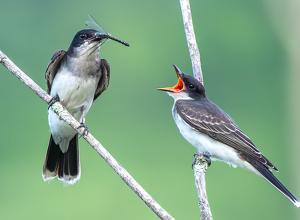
column 85, row 131
column 53, row 100
column 206, row 157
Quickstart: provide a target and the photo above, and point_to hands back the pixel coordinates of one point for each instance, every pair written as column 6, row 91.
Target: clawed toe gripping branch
column 85, row 130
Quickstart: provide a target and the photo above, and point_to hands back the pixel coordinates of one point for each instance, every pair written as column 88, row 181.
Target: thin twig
column 191, row 39
column 200, row 164
column 69, row 119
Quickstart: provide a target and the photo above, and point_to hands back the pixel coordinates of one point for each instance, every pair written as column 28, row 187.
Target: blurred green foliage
column 244, row 65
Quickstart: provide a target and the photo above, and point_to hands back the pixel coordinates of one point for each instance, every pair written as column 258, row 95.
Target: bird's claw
column 53, row 100
column 206, row 157
column 85, row 131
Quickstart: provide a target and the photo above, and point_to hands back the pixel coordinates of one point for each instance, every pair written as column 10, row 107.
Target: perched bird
column 208, row 128
column 76, row 77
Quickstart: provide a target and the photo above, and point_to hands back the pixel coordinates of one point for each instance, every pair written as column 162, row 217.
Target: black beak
column 100, row 36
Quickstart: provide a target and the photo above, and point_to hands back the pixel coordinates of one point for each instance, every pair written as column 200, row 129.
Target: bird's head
column 88, row 41
column 187, row 87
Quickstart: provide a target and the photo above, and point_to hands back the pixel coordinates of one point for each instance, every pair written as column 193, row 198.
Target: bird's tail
column 268, row 175
column 64, row 165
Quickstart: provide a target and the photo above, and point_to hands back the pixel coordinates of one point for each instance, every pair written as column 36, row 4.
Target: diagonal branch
column 69, row 119
column 200, row 164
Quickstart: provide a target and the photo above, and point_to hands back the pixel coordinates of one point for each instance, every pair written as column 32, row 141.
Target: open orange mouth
column 178, row 87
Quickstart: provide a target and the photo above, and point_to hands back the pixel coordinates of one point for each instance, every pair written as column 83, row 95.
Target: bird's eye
column 82, row 36
column 191, row 86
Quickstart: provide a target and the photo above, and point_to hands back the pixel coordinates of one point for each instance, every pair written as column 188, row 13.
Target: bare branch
column 200, row 164
column 69, row 119
column 191, row 39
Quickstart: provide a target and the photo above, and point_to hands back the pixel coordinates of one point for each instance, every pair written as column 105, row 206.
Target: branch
column 200, row 164
column 191, row 39
column 69, row 119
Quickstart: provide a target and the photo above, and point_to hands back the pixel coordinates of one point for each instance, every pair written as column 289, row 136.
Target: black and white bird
column 208, row 128
column 76, row 77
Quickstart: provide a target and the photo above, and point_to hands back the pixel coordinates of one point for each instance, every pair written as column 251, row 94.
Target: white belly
column 77, row 95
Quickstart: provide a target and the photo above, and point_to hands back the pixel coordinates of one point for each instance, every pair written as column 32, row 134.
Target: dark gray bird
column 208, row 128
column 76, row 77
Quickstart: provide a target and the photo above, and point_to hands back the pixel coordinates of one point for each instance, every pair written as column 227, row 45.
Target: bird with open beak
column 215, row 135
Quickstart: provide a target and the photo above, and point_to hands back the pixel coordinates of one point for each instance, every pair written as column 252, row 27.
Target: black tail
column 64, row 165
column 268, row 175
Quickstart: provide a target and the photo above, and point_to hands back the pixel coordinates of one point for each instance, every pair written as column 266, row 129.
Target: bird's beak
column 97, row 37
column 180, row 84
column 105, row 37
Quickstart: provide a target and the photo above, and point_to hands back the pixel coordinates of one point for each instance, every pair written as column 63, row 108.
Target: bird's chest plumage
column 76, row 91
column 205, row 144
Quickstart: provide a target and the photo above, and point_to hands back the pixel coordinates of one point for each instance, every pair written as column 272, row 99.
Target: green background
column 245, row 63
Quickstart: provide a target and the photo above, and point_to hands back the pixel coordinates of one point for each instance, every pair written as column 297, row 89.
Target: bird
column 215, row 135
column 76, row 78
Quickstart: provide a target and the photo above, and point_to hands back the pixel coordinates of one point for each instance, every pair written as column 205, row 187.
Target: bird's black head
column 88, row 40
column 193, row 87
column 85, row 43
column 186, row 84
column 85, row 36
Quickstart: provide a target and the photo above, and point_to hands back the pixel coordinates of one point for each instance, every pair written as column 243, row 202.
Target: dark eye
column 191, row 86
column 82, row 36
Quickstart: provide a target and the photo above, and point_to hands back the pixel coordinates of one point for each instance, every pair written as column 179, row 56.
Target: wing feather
column 104, row 80
column 52, row 68
column 208, row 118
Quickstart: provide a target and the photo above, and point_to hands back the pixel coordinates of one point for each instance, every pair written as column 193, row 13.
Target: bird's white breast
column 75, row 91
column 77, row 94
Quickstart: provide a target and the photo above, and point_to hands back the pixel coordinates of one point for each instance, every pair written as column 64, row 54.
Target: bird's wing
column 104, row 80
column 208, row 118
column 52, row 68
